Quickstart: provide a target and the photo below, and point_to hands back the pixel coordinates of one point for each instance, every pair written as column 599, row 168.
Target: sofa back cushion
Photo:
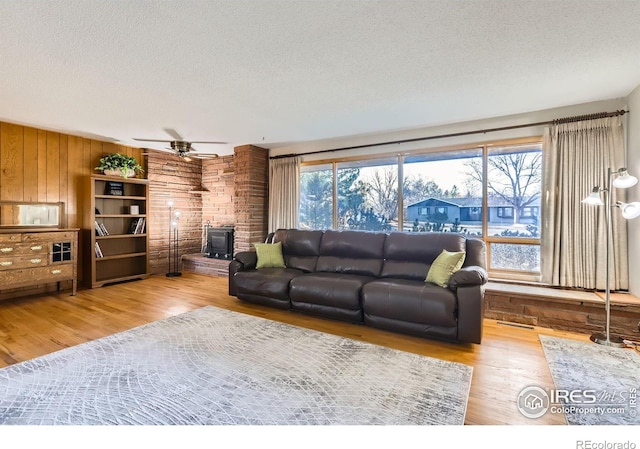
column 300, row 248
column 410, row 255
column 351, row 252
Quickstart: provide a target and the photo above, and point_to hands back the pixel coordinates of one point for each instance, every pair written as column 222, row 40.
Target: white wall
column 631, row 122
column 633, row 163
column 498, row 122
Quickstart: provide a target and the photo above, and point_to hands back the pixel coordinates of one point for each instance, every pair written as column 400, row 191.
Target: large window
column 490, row 191
column 316, row 197
column 438, row 182
column 514, row 185
column 368, row 195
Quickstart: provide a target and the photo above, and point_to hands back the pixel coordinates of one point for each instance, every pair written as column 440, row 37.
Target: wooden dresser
column 38, row 257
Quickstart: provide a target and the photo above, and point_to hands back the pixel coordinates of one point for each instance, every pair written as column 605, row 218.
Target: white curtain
column 284, row 193
column 577, row 157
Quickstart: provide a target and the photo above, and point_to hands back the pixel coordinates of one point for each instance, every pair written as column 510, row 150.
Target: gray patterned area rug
column 217, row 367
column 604, row 381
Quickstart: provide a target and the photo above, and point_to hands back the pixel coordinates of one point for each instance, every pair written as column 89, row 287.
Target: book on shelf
column 104, row 229
column 98, row 250
column 133, row 226
column 114, row 188
column 141, row 224
column 137, row 226
column 99, row 230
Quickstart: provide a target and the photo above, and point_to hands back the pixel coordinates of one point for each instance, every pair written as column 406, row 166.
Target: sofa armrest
column 242, row 261
column 467, row 276
column 248, row 259
column 470, row 313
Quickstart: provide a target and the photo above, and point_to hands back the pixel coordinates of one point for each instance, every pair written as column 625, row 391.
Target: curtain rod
column 576, row 118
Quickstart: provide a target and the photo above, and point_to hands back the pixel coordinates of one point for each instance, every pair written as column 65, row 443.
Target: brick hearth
column 200, row 264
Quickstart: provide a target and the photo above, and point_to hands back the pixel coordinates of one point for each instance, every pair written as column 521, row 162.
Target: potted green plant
column 118, row 164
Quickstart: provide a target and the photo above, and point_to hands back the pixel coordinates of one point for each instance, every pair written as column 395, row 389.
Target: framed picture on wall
column 114, row 188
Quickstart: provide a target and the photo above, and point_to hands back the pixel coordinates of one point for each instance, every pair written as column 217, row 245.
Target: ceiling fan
column 183, row 148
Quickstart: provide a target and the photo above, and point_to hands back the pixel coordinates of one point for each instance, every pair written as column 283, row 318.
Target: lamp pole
column 605, row 339
column 173, row 241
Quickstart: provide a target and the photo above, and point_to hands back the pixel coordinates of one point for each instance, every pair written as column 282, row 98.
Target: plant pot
column 115, row 172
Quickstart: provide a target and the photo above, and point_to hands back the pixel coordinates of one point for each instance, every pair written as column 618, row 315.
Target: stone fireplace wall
column 218, row 177
column 234, row 192
column 251, row 196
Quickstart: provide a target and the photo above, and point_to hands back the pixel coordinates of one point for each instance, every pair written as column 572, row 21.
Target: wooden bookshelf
column 117, row 248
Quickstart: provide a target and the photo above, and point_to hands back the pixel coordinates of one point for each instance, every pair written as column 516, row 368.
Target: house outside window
column 505, row 212
column 530, row 212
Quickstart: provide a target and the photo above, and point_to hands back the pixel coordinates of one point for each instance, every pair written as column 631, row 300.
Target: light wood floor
column 509, row 358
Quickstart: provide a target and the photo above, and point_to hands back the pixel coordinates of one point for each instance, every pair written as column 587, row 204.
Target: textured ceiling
column 275, row 72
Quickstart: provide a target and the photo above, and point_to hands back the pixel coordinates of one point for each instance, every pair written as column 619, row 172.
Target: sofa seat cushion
column 328, row 289
column 411, row 301
column 270, row 282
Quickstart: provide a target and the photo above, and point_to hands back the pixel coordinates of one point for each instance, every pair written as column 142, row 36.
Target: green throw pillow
column 444, row 266
column 269, row 255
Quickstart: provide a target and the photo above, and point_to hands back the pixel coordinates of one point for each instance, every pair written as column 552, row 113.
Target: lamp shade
column 594, row 197
column 625, row 180
column 629, row 210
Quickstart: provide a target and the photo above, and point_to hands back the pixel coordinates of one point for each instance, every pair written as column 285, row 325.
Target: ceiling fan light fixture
column 182, row 148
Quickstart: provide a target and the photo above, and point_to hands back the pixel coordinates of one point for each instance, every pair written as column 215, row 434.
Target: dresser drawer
column 23, row 262
column 34, row 258
column 48, row 236
column 10, row 238
column 38, row 275
column 23, row 249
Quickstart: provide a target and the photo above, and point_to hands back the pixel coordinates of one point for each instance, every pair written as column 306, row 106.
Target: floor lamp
column 174, row 217
column 621, row 180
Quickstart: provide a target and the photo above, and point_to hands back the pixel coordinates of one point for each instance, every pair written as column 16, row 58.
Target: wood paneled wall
column 46, row 166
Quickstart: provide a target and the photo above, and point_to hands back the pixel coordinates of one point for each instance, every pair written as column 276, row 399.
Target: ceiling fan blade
column 205, row 141
column 150, row 140
column 201, row 155
column 173, row 133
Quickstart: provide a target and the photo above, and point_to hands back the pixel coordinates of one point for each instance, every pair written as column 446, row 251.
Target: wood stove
column 220, row 243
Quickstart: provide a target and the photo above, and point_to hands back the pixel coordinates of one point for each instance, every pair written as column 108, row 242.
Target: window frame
column 505, row 274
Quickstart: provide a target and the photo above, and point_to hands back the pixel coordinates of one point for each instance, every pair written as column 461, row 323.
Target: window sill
column 559, row 294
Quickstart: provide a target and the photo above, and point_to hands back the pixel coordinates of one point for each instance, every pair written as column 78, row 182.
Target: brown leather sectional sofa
column 373, row 278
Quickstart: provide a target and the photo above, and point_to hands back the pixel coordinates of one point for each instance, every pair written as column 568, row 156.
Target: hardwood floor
column 509, row 358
